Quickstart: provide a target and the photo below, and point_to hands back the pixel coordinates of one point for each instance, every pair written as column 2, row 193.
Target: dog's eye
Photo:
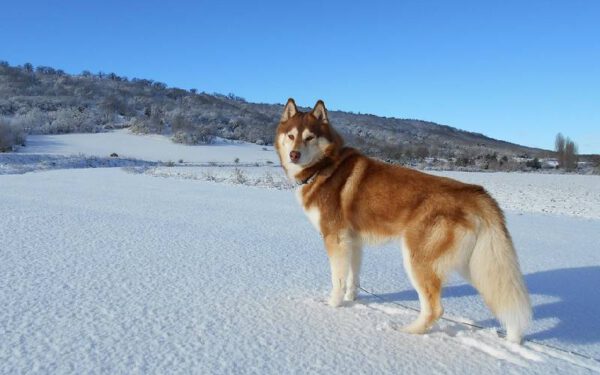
column 309, row 138
column 291, row 136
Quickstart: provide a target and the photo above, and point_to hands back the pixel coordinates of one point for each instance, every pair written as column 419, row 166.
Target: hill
column 45, row 100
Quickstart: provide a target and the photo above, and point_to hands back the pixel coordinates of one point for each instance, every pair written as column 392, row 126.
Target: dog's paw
column 415, row 328
column 351, row 294
column 335, row 299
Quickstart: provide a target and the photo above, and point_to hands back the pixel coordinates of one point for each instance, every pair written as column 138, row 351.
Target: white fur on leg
column 351, row 293
column 336, row 297
column 338, row 286
column 354, row 274
column 338, row 282
column 339, row 260
column 420, row 325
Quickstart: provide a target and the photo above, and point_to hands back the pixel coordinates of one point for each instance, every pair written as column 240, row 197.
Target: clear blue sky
column 514, row 70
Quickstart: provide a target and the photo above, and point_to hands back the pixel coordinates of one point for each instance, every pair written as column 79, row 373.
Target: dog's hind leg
column 354, row 275
column 429, row 287
column 339, row 250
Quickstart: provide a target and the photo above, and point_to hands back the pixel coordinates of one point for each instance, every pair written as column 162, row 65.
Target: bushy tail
column 494, row 271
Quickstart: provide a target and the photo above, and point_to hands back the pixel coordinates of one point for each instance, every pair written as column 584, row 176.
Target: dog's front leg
column 354, row 275
column 339, row 253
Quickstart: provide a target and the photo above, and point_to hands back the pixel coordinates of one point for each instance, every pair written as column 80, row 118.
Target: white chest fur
column 313, row 213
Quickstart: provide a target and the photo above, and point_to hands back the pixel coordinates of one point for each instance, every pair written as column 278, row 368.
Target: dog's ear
column 289, row 110
column 320, row 112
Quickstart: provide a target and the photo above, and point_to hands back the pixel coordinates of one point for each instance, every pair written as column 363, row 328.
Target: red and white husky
column 442, row 224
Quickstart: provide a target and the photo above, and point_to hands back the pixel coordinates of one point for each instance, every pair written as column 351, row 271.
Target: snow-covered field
column 155, row 269
column 149, row 147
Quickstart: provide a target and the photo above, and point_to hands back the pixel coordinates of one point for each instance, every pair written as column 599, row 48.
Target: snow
column 108, row 271
column 564, row 194
column 151, row 147
column 571, row 195
column 15, row 163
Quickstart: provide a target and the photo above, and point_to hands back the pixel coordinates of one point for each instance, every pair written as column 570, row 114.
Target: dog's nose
column 295, row 156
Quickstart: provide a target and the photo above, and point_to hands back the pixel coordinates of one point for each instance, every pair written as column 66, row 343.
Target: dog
column 443, row 225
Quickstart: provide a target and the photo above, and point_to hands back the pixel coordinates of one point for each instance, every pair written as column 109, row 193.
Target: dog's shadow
column 578, row 293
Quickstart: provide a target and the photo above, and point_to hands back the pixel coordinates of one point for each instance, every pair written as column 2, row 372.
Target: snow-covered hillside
column 107, row 271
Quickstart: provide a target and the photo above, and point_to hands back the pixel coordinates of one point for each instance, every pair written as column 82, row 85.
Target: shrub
column 464, row 160
column 268, row 179
column 209, row 176
column 534, row 164
column 195, row 136
column 239, row 177
column 422, row 152
column 10, row 135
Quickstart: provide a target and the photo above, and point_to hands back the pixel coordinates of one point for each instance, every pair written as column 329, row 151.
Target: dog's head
column 305, row 138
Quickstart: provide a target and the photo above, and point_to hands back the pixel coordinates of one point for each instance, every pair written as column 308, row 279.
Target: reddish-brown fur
column 361, row 199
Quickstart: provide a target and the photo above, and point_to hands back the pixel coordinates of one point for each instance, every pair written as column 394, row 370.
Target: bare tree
column 566, row 152
column 570, row 155
column 559, row 147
